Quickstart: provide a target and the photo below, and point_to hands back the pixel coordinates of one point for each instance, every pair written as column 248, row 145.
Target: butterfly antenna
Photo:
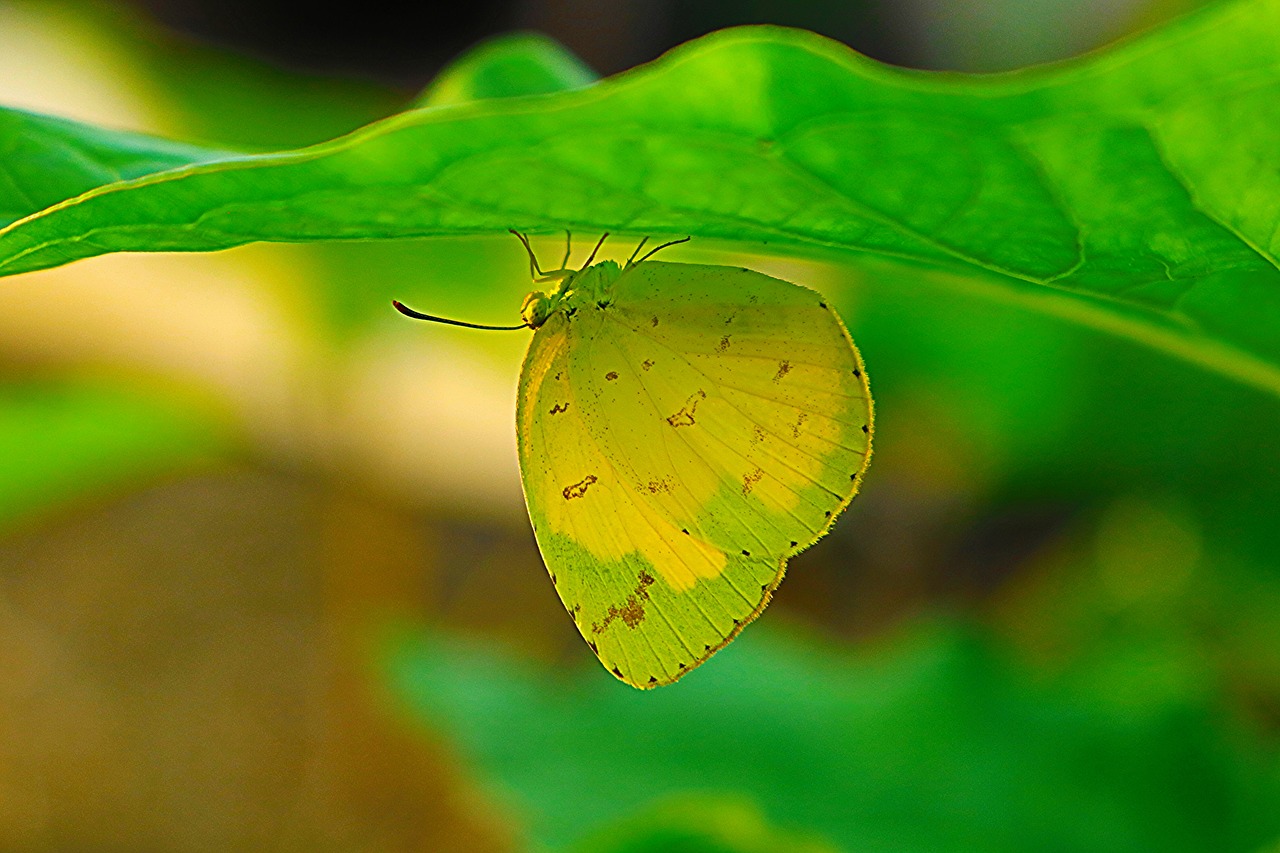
column 654, row 251
column 568, row 247
column 535, row 271
column 596, row 249
column 637, row 251
column 418, row 315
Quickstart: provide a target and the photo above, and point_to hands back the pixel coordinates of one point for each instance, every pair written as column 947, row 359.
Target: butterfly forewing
column 678, row 442
column 599, row 538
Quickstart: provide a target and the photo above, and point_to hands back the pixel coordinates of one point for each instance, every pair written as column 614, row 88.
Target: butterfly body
column 586, row 288
column 683, row 430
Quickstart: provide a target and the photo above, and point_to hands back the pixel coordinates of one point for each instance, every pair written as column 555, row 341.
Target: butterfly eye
column 536, row 309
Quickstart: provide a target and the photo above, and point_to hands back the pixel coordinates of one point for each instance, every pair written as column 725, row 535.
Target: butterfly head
column 576, row 289
column 537, row 307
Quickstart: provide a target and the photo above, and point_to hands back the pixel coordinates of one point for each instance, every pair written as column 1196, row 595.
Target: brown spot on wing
column 757, row 435
column 784, row 367
column 579, row 488
column 750, row 479
column 684, row 417
column 653, row 321
column 723, row 345
column 631, row 611
column 648, row 363
column 559, row 407
column 611, row 375
column 656, row 486
column 795, row 428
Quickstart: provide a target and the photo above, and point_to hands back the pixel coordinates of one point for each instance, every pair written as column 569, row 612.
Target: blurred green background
column 266, row 580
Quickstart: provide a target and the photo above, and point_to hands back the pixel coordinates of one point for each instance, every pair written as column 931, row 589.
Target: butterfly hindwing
column 678, row 442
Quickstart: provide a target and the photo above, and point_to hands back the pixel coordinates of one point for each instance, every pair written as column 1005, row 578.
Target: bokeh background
column 266, row 581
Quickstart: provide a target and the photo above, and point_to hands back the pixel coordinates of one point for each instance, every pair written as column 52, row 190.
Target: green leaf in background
column 64, row 438
column 932, row 744
column 699, row 824
column 1133, row 190
column 507, row 67
column 67, row 440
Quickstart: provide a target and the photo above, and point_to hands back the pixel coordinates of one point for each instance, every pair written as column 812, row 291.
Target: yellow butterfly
column 683, row 430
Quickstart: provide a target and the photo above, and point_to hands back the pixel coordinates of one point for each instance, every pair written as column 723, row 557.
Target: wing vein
column 685, row 358
column 665, row 439
column 752, row 421
column 701, row 457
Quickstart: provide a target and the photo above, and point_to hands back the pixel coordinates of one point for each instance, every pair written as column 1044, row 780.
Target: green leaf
column 932, row 744
column 1133, row 190
column 507, row 67
column 44, row 160
column 69, row 440
column 699, row 824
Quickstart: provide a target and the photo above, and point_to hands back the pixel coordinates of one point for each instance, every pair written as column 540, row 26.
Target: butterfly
column 683, row 430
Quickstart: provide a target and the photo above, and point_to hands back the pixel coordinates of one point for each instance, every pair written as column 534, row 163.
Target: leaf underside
column 1134, row 190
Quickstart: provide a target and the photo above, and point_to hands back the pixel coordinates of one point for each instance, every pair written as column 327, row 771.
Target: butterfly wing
column 679, row 442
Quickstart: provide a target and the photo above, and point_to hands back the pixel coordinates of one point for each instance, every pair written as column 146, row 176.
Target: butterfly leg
column 535, row 271
column 637, row 251
column 649, row 254
column 568, row 243
column 596, row 249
